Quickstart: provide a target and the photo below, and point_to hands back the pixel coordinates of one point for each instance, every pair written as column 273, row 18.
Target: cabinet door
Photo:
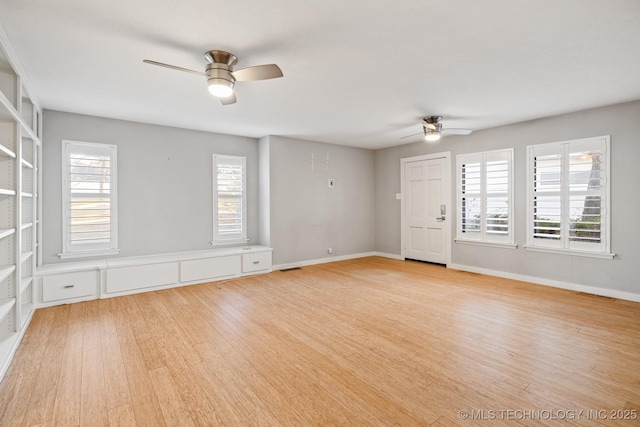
column 122, row 279
column 210, row 268
column 68, row 286
column 257, row 261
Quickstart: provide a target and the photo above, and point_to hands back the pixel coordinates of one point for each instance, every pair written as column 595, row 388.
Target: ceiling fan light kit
column 221, row 78
column 432, row 129
column 431, row 135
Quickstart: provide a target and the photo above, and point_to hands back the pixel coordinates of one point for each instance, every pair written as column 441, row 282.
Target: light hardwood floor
column 370, row 342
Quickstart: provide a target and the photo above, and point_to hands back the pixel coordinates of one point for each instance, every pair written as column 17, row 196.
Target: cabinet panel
column 142, row 276
column 69, row 285
column 256, row 261
column 209, row 268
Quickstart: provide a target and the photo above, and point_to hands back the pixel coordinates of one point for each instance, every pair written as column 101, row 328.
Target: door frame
column 446, row 155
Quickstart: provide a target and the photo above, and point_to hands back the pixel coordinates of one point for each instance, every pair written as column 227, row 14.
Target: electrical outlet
column 330, row 251
column 331, row 183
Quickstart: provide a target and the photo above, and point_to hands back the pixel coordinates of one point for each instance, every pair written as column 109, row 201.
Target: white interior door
column 426, row 231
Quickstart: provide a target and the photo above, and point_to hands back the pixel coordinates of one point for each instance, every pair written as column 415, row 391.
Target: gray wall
column 264, row 193
column 165, row 199
column 621, row 121
column 306, row 217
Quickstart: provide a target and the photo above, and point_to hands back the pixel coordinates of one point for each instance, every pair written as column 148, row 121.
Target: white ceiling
column 356, row 72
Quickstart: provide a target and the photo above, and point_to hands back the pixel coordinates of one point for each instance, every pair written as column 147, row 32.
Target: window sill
column 601, row 255
column 229, row 242
column 87, row 254
column 489, row 244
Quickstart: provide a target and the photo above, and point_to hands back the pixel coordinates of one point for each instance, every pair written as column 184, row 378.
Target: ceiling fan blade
column 258, row 72
column 228, row 100
column 409, row 136
column 173, row 67
column 456, row 131
column 429, row 126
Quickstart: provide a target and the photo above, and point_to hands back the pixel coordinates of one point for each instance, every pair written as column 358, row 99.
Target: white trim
column 446, row 195
column 612, row 293
column 489, row 244
column 74, row 251
column 323, row 260
column 87, row 254
column 228, row 242
column 571, row 252
column 17, row 337
column 18, row 69
column 388, row 255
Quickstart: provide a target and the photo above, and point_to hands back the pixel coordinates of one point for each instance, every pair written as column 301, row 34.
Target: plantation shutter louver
column 485, row 197
column 90, row 206
column 229, row 199
column 568, row 195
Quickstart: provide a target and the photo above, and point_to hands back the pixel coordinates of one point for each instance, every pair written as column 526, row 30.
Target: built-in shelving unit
column 20, row 148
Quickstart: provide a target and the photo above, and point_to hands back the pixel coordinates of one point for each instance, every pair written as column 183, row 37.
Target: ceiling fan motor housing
column 219, row 74
column 433, row 120
column 220, row 67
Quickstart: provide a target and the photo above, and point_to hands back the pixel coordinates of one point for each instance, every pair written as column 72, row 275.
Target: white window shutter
column 229, row 197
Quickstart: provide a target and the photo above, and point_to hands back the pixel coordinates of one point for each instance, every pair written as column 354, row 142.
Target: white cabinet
column 141, row 276
column 70, row 286
column 215, row 268
column 256, row 262
column 63, row 283
column 20, row 148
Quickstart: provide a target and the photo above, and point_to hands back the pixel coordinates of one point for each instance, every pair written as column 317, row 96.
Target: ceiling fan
column 221, row 76
column 432, row 129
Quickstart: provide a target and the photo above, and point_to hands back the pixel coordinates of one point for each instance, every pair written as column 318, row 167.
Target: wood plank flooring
column 367, row 342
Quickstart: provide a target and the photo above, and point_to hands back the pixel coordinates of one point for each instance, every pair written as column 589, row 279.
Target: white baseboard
column 14, row 346
column 612, row 293
column 387, row 255
column 323, row 260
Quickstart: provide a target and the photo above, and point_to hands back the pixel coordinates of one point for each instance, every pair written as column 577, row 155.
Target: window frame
column 239, row 238
column 485, row 238
column 70, row 250
column 563, row 244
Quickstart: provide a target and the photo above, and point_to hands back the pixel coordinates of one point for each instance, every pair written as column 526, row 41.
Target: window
column 89, row 219
column 229, row 200
column 568, row 190
column 485, row 198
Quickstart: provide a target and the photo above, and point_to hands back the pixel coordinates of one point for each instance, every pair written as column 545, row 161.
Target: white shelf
column 25, row 256
column 6, row 304
column 24, row 284
column 20, row 153
column 9, row 112
column 7, row 109
column 5, row 271
column 6, row 232
column 27, row 310
column 4, row 151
